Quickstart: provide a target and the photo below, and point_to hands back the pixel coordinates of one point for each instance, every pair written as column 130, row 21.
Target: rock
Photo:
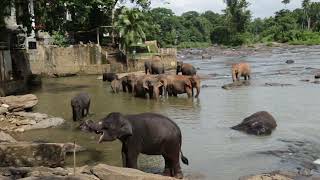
column 277, row 84
column 235, row 84
column 35, row 116
column 206, row 56
column 317, row 161
column 290, row 61
column 18, row 103
column 3, row 110
column 259, row 123
column 32, row 154
column 103, row 171
column 47, row 123
column 4, row 137
column 305, row 80
column 279, row 175
column 317, row 76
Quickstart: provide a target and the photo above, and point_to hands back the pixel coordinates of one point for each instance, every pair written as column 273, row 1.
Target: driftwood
column 19, row 103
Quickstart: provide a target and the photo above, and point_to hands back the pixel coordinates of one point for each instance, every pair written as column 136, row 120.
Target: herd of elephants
column 155, row 134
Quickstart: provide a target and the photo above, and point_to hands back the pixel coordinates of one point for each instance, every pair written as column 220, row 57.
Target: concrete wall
column 85, row 59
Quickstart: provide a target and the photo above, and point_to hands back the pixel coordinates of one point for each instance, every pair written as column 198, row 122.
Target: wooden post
column 74, row 158
column 98, row 36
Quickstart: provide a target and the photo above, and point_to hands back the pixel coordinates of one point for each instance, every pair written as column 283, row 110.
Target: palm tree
column 130, row 25
column 306, row 10
column 285, row 2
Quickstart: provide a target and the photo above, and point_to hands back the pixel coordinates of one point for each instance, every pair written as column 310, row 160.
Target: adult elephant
column 155, row 85
column 180, row 84
column 240, row 70
column 154, row 66
column 127, row 83
column 109, row 76
column 147, row 133
column 186, row 69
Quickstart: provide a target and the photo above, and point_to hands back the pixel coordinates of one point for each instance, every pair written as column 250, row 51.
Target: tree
column 306, row 9
column 285, row 2
column 131, row 26
column 5, row 5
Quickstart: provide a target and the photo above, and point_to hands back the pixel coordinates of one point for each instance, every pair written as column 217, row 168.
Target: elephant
column 240, row 69
column 186, row 69
column 127, row 83
column 147, row 67
column 259, row 123
column 154, row 66
column 80, row 106
column 116, row 86
column 109, row 77
column 155, row 85
column 147, row 133
column 179, row 84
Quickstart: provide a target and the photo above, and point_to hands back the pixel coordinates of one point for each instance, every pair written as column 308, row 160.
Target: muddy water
column 214, row 150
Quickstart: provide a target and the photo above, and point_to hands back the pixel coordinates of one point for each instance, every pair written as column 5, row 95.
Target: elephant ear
column 125, row 128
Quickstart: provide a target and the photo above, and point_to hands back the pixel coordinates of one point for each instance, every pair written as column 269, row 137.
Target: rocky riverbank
column 214, row 51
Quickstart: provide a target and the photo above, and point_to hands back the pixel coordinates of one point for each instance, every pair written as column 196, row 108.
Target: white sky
column 259, row 8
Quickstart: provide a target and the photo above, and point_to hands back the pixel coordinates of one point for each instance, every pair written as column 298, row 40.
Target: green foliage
column 59, row 39
column 131, row 25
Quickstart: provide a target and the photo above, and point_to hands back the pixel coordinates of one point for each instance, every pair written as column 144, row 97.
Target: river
column 213, row 149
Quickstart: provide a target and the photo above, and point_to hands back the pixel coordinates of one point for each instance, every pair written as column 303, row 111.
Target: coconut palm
column 306, row 10
column 285, row 2
column 131, row 27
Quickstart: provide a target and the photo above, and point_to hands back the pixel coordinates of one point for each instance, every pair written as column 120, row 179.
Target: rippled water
column 214, row 150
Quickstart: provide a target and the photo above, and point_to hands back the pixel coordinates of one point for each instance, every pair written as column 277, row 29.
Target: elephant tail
column 184, row 159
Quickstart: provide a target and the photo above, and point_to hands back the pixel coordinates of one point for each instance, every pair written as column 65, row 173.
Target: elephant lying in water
column 259, row 123
column 147, row 133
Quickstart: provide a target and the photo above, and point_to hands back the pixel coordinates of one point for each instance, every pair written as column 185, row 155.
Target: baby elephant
column 116, row 86
column 259, row 123
column 240, row 70
column 80, row 106
column 147, row 133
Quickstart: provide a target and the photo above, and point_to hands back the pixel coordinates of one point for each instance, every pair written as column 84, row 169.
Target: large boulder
column 19, row 103
column 259, row 123
column 22, row 121
column 31, row 154
column 103, row 171
column 281, row 175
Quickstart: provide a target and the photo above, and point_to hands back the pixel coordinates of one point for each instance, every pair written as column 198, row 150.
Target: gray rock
column 103, row 171
column 317, row 76
column 277, row 84
column 26, row 154
column 290, row 61
column 236, row 84
column 4, row 137
column 3, row 110
column 19, row 103
column 47, row 123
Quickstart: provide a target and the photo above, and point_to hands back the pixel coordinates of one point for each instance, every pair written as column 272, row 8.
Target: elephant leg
column 245, row 77
column 168, row 170
column 249, row 77
column 124, row 157
column 83, row 112
column 74, row 117
column 131, row 160
column 189, row 92
column 88, row 107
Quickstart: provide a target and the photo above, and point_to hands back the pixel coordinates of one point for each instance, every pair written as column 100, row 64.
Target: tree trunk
column 309, row 23
column 112, row 20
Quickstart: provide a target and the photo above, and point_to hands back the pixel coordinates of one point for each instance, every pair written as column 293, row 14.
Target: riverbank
column 207, row 53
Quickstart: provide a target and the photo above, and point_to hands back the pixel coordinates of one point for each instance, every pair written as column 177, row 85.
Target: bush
column 59, row 39
column 184, row 45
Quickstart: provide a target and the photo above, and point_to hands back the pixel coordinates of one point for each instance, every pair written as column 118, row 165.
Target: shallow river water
column 213, row 149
